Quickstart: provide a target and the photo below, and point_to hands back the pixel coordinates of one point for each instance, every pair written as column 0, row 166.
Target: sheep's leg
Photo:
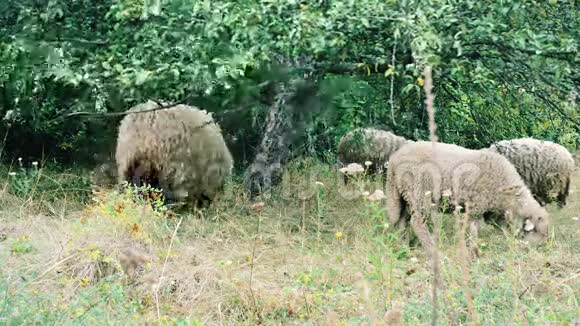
column 398, row 214
column 345, row 179
column 561, row 199
column 384, row 178
column 401, row 228
column 473, row 236
column 419, row 226
column 563, row 194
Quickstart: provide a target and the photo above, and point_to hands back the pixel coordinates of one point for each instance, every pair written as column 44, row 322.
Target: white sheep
column 421, row 174
column 545, row 167
column 179, row 149
column 369, row 145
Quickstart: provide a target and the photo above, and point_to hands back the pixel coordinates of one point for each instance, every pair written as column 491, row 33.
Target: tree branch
column 560, row 55
column 78, row 40
column 116, row 114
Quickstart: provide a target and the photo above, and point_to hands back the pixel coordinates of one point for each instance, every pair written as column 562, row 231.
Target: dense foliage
column 503, row 69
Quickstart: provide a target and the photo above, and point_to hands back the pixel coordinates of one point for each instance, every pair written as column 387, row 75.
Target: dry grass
column 309, row 256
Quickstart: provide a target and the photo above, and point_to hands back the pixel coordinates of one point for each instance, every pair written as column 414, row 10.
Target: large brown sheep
column 179, row 149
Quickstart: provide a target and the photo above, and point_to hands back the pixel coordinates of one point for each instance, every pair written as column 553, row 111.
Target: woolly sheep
column 373, row 145
column 418, row 178
column 545, row 167
column 179, row 149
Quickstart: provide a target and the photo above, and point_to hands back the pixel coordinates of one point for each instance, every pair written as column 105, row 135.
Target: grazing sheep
column 545, row 167
column 179, row 149
column 372, row 145
column 418, row 178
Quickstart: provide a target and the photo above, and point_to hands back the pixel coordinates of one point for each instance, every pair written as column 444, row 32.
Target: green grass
column 309, row 256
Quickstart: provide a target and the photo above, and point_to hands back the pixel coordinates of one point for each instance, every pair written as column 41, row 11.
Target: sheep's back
column 542, row 164
column 369, row 144
column 465, row 175
column 184, row 142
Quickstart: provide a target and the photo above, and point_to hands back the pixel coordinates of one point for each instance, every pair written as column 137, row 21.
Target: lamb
column 545, row 167
column 179, row 149
column 421, row 174
column 372, row 145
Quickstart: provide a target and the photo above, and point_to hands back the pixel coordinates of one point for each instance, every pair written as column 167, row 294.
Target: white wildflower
column 20, row 159
column 368, row 163
column 12, row 174
column 377, row 195
column 366, row 193
column 9, row 115
column 34, row 163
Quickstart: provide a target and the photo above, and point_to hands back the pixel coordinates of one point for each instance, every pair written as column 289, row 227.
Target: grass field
column 308, row 256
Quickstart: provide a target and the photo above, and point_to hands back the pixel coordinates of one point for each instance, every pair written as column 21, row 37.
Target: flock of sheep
column 181, row 150
column 512, row 180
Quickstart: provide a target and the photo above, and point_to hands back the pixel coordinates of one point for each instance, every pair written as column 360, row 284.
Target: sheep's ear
column 528, row 225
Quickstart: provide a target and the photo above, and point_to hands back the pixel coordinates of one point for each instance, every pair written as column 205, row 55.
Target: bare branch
column 428, row 87
column 118, row 114
column 559, row 55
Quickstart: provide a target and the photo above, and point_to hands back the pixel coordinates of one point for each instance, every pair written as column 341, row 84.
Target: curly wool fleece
column 545, row 167
column 421, row 174
column 373, row 145
column 179, row 149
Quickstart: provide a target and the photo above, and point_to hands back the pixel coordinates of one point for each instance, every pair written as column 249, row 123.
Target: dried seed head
column 377, row 195
column 352, row 169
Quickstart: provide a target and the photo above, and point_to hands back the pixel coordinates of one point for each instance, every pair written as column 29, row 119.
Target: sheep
column 421, row 174
column 179, row 149
column 369, row 145
column 545, row 167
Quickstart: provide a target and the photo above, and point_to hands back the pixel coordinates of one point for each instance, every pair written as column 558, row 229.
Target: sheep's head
column 529, row 218
column 535, row 225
